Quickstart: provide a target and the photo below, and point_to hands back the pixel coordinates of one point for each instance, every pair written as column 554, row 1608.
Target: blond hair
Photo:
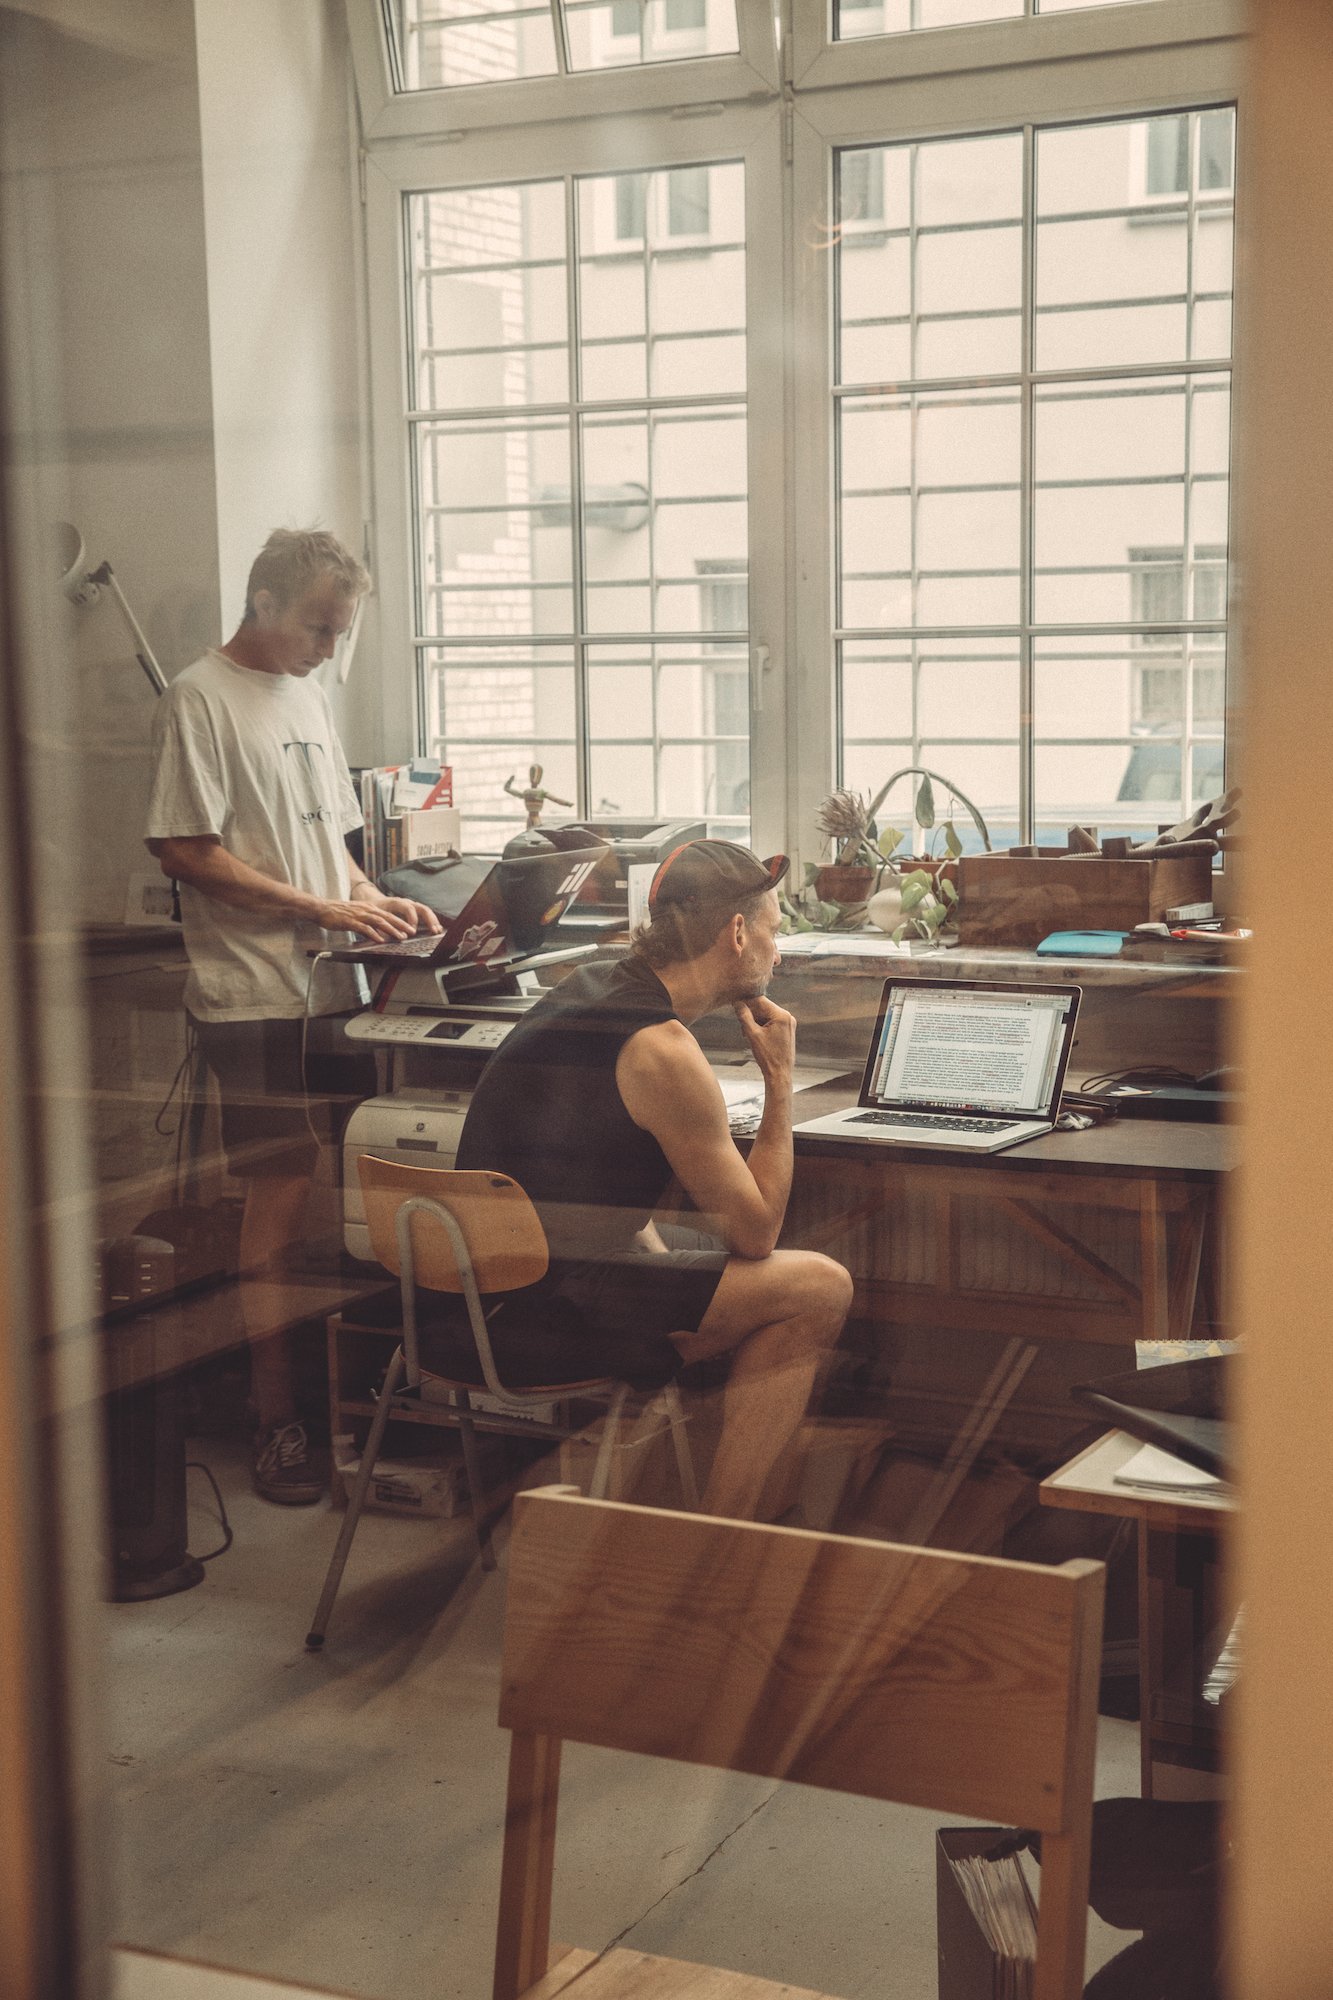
column 294, row 558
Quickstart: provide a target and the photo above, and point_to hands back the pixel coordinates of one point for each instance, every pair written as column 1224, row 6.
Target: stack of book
column 409, row 814
column 987, row 1916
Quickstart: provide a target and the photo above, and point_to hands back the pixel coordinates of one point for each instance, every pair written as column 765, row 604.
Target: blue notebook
column 1082, row 944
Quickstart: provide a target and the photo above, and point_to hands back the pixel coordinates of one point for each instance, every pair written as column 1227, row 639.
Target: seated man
column 601, row 1094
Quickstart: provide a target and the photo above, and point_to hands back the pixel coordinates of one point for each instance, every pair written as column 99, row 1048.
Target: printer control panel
column 421, row 1030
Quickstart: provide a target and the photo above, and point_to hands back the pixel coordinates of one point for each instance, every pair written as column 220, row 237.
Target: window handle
column 759, row 666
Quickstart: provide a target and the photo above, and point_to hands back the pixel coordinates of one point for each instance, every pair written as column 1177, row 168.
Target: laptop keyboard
column 415, row 947
column 929, row 1121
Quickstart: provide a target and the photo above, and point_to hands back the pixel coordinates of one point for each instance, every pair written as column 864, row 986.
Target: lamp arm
column 143, row 652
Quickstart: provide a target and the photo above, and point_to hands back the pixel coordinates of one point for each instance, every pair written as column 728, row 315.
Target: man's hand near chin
column 771, row 1033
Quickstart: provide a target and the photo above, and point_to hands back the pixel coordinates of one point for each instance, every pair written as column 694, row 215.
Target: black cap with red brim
column 713, row 871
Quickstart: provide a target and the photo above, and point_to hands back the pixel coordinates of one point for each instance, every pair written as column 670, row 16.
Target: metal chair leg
column 689, row 1486
column 314, row 1638
column 472, row 1467
column 601, row 1471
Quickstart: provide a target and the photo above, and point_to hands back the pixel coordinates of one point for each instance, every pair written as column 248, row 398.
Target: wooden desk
column 1100, row 1235
column 1183, row 1614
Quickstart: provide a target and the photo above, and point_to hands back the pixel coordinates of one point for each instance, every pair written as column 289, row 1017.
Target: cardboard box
column 1020, row 899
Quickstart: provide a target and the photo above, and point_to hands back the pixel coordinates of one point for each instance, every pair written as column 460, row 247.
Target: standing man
column 601, row 1095
column 250, row 807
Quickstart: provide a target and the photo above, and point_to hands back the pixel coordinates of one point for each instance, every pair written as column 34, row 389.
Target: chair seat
column 638, row 1975
column 536, row 1339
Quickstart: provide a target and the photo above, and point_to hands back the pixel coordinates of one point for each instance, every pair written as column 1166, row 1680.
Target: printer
column 420, row 1128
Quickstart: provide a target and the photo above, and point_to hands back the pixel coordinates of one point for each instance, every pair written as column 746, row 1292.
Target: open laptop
column 504, row 906
column 973, row 1065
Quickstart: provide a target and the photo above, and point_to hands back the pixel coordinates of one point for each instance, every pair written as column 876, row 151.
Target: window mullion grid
column 578, row 577
column 1027, row 498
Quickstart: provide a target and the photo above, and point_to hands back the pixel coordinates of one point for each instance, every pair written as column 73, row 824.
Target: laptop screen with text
column 968, row 1049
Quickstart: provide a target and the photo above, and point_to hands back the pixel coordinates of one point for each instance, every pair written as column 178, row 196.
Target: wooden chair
column 470, row 1236
column 952, row 1681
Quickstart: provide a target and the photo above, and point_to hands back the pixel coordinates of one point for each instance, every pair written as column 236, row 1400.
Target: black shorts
column 628, row 1309
column 268, row 1105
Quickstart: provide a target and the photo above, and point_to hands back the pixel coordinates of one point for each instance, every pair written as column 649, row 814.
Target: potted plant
column 922, row 897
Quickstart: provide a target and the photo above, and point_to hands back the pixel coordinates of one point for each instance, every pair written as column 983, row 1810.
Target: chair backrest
column 922, row 1676
column 500, row 1226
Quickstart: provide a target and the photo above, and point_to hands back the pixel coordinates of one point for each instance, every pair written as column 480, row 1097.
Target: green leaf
column 925, row 804
column 890, row 839
column 913, row 892
column 952, row 842
column 948, row 890
column 899, row 932
column 811, row 870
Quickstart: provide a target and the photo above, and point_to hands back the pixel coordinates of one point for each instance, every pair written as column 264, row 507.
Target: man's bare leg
column 274, row 1211
column 779, row 1317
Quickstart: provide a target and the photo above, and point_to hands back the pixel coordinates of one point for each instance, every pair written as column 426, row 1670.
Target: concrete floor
column 335, row 1819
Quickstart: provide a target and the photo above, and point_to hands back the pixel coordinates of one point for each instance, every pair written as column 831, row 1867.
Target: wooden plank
column 523, row 1926
column 1071, row 1250
column 922, row 1676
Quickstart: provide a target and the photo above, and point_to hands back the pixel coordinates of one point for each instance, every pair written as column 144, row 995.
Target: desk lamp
column 82, row 585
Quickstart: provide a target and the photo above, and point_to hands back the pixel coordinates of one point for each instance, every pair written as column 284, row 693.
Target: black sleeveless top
column 548, row 1111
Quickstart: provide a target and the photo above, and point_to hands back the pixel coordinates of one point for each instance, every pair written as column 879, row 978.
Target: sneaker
column 282, row 1470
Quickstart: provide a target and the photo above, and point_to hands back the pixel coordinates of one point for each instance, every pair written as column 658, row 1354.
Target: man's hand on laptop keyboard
column 374, row 921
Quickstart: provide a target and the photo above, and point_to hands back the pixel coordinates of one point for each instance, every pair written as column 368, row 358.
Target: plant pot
column 844, row 884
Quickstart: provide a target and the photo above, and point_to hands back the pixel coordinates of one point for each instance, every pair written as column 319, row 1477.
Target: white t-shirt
column 255, row 759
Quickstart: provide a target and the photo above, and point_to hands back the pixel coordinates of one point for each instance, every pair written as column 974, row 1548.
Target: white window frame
column 751, row 134
column 1117, row 61
column 704, row 81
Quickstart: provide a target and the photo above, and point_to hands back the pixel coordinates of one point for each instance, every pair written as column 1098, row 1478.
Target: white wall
column 103, row 144
column 279, row 236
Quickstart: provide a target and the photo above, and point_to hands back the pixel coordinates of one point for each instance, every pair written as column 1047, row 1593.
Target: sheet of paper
column 1163, row 1472
column 840, row 944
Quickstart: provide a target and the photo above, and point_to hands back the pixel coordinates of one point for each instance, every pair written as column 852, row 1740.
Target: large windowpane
column 616, row 511
column 1090, row 490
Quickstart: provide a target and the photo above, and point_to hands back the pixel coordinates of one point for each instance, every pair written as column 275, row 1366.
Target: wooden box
column 1020, row 899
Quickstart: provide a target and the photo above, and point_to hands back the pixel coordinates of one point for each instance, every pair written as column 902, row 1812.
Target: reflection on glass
column 441, row 43
column 618, row 34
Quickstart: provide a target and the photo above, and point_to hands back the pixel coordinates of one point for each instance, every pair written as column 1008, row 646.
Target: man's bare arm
column 668, row 1088
column 206, row 865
